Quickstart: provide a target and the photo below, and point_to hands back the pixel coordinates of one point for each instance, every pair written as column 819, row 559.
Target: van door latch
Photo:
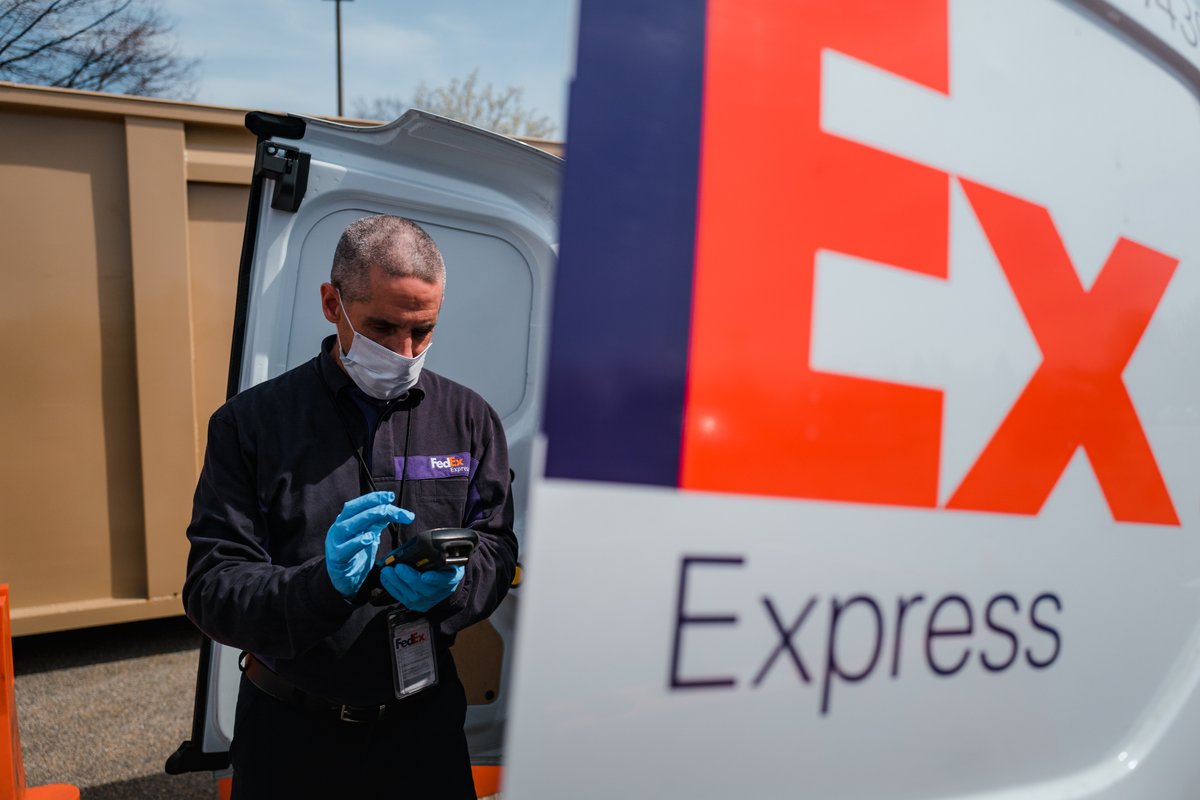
column 289, row 167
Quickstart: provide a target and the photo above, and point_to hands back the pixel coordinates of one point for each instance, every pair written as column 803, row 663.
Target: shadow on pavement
column 65, row 649
column 196, row 786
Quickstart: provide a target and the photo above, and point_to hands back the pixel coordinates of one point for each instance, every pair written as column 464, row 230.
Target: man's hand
column 353, row 539
column 420, row 591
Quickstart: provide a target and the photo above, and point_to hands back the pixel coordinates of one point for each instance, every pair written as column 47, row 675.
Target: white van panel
column 717, row 643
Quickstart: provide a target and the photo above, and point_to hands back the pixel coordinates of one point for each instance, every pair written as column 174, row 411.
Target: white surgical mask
column 381, row 373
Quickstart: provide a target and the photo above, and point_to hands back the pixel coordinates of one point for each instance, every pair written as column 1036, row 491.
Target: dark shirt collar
column 338, row 381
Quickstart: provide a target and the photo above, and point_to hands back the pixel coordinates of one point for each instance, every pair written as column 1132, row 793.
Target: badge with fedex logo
column 414, row 664
column 450, row 465
column 903, row 413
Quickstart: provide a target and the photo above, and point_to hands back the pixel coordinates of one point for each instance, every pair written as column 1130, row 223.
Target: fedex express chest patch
column 453, row 465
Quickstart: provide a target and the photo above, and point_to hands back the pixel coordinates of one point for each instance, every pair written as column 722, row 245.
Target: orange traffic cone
column 487, row 780
column 12, row 769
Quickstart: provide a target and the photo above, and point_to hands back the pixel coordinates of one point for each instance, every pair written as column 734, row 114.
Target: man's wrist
column 322, row 597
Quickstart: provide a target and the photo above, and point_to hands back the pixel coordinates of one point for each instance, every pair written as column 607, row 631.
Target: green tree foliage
column 120, row 46
column 466, row 100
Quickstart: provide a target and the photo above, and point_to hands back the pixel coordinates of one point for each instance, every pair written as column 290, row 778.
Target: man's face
column 399, row 313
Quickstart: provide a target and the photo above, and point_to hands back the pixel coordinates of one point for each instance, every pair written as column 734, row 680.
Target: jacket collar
column 338, row 381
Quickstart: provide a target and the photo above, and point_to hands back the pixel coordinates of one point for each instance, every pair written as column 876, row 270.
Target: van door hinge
column 288, row 166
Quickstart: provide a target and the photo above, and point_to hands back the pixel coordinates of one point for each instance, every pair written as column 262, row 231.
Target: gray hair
column 398, row 246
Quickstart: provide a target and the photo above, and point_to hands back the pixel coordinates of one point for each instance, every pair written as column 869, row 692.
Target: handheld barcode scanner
column 431, row 549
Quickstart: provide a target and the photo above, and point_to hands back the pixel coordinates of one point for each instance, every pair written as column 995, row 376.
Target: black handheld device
column 431, row 549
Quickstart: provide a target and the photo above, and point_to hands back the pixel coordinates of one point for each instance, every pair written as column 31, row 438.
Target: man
column 306, row 478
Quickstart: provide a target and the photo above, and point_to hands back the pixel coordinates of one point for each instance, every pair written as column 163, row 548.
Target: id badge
column 414, row 664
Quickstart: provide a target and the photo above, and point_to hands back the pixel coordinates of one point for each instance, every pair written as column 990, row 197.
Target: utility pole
column 337, row 12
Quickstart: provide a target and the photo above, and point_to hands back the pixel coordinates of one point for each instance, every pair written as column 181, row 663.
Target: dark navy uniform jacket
column 280, row 464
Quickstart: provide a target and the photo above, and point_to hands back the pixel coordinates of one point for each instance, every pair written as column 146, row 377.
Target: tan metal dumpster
column 120, row 234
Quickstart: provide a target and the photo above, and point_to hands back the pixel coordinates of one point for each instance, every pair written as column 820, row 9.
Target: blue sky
column 279, row 54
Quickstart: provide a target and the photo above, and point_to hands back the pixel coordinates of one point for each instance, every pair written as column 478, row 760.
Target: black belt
column 285, row 691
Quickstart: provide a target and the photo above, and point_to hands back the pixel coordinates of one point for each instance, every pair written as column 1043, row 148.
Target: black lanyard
column 365, row 471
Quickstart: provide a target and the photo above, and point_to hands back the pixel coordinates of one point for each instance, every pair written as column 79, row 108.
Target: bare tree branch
column 464, row 100
column 62, row 40
column 100, row 45
column 30, row 24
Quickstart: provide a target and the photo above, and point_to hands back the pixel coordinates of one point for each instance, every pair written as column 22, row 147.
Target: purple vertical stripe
column 622, row 304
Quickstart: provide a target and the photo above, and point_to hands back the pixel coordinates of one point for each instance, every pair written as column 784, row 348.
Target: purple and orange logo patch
column 452, row 465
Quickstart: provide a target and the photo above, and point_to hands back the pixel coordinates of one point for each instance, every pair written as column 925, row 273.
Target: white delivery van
column 872, row 428
column 490, row 203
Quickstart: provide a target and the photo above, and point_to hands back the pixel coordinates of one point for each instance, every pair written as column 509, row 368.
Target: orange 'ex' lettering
column 751, row 388
column 1076, row 397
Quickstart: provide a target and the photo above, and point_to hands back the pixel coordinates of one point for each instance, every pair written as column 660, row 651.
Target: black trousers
column 282, row 751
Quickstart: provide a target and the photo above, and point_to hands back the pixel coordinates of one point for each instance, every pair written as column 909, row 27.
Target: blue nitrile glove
column 353, row 539
column 420, row 591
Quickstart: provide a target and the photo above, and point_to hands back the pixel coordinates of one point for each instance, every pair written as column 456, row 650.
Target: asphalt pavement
column 102, row 709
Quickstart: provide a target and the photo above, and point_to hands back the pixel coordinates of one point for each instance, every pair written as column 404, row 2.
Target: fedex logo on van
column 822, row 188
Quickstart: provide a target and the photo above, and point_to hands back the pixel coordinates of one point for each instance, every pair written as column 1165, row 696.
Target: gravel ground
column 103, row 708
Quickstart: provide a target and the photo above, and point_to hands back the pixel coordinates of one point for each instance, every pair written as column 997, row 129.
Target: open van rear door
column 490, row 203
